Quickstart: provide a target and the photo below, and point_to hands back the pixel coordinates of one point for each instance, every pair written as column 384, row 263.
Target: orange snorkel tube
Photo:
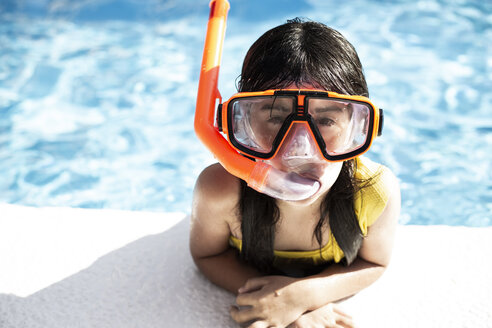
column 259, row 176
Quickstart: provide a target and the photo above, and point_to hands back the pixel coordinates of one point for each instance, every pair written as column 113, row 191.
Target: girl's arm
column 283, row 294
column 373, row 258
column 214, row 206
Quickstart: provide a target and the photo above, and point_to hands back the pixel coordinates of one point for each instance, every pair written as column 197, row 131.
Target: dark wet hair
column 302, row 52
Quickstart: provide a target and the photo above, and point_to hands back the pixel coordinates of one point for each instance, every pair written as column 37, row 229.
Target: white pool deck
column 64, row 267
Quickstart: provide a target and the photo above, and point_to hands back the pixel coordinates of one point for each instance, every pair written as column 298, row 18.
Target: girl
column 290, row 256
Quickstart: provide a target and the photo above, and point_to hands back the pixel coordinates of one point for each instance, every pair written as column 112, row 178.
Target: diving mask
column 257, row 123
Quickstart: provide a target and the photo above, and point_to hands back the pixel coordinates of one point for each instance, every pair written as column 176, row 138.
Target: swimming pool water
column 97, row 98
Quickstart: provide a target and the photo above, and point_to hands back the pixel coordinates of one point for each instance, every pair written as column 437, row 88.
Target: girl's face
column 301, row 155
column 299, row 152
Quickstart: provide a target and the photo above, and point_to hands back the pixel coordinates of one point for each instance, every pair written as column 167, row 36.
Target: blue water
column 97, row 98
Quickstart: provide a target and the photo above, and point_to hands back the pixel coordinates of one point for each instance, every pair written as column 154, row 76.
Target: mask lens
column 343, row 124
column 256, row 121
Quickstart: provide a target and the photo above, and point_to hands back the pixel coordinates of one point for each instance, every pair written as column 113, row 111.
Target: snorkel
column 259, row 175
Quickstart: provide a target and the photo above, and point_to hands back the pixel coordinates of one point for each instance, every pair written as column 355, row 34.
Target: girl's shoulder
column 213, row 211
column 379, row 184
column 217, row 189
column 217, row 180
column 379, row 176
column 367, row 168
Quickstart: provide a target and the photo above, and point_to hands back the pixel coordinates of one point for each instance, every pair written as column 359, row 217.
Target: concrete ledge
column 63, row 267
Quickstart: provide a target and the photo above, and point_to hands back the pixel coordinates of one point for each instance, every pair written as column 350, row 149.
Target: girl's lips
column 309, row 171
column 312, row 170
column 309, row 176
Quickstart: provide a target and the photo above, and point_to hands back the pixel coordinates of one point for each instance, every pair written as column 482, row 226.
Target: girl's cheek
column 330, row 174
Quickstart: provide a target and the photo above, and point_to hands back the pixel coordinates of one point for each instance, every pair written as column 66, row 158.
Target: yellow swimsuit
column 369, row 203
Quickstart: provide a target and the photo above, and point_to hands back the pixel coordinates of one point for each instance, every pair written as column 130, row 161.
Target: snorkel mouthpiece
column 259, row 176
column 282, row 185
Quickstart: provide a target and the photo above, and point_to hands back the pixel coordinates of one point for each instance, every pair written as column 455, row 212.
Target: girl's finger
column 259, row 324
column 338, row 309
column 342, row 318
column 344, row 321
column 245, row 299
column 253, row 284
column 242, row 315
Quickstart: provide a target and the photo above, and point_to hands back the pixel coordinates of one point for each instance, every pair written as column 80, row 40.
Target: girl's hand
column 328, row 316
column 270, row 301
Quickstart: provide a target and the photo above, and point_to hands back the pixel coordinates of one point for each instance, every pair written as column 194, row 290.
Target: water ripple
column 97, row 99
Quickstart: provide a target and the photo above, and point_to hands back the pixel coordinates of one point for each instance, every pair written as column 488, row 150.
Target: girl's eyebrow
column 323, row 109
column 277, row 108
column 333, row 107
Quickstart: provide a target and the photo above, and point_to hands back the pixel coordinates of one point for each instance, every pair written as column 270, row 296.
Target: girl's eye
column 325, row 121
column 275, row 120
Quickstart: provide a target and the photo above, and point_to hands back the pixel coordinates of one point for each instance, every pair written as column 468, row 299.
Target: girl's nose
column 299, row 145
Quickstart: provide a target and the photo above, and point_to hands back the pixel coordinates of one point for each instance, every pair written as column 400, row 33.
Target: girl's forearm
column 226, row 270
column 338, row 282
column 332, row 284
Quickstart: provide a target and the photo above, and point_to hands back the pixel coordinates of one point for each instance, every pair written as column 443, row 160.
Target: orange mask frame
column 375, row 121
